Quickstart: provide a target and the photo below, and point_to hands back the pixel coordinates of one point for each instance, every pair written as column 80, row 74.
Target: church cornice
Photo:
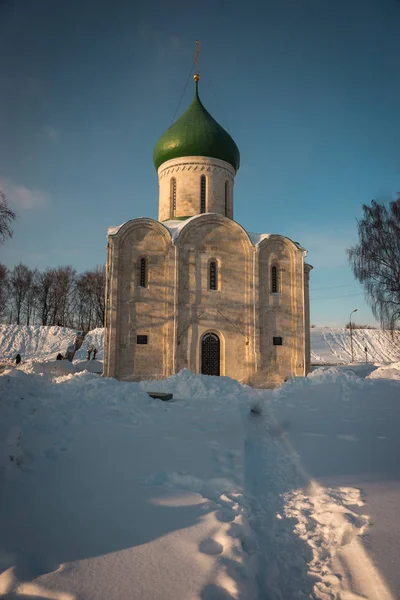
column 197, row 164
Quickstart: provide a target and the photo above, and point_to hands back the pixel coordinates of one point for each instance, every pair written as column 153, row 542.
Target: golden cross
column 196, row 56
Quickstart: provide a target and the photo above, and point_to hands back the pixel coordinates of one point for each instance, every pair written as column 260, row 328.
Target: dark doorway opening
column 210, row 354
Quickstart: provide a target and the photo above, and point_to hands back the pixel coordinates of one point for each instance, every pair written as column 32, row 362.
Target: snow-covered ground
column 109, row 494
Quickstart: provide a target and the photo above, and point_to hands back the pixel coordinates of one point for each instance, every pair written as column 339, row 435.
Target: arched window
column 226, row 197
column 173, row 196
column 143, row 273
column 213, row 276
column 203, row 194
column 274, row 280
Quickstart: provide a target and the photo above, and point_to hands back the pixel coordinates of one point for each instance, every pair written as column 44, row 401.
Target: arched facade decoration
column 283, row 315
column 129, row 319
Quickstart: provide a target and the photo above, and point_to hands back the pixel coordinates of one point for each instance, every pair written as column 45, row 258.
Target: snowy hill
column 93, row 339
column 328, row 346
column 332, row 346
column 34, row 341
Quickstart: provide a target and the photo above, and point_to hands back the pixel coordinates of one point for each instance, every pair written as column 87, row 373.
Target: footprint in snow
column 211, row 547
column 225, row 515
column 29, row 567
column 215, row 592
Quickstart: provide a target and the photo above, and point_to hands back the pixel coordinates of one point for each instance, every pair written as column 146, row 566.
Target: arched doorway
column 210, row 354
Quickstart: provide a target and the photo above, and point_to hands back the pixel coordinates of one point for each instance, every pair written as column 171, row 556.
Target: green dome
column 196, row 133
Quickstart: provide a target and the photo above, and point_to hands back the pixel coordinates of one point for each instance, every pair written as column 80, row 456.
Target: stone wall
column 281, row 314
column 225, row 311
column 134, row 310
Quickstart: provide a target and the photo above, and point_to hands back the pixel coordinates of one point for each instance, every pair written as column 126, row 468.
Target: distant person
column 89, row 353
column 94, row 353
column 17, row 359
column 59, row 356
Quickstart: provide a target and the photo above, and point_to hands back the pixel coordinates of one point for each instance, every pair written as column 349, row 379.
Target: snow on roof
column 256, row 238
column 175, row 227
column 115, row 229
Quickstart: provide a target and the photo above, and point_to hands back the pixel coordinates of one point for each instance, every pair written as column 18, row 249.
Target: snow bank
column 391, row 371
column 34, row 341
column 93, row 339
column 320, row 376
column 92, row 366
column 51, row 368
column 332, row 346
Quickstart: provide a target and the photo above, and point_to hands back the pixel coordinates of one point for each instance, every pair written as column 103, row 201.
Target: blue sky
column 309, row 90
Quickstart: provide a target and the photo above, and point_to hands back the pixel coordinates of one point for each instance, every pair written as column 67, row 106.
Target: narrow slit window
column 141, row 339
column 143, row 273
column 173, row 196
column 213, row 276
column 226, row 197
column 203, row 194
column 274, row 280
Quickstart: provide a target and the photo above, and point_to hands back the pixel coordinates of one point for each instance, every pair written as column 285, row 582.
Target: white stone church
column 194, row 289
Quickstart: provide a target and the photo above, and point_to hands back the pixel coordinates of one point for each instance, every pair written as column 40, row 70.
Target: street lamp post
column 351, row 336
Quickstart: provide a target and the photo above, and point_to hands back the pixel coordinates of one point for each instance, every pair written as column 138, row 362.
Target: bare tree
column 53, row 297
column 98, row 294
column 20, row 281
column 84, row 301
column 375, row 260
column 44, row 295
column 90, row 298
column 62, row 292
column 3, row 289
column 30, row 298
column 7, row 216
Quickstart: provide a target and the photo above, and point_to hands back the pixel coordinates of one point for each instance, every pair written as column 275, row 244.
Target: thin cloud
column 174, row 42
column 51, row 133
column 31, row 89
column 24, row 198
column 156, row 38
